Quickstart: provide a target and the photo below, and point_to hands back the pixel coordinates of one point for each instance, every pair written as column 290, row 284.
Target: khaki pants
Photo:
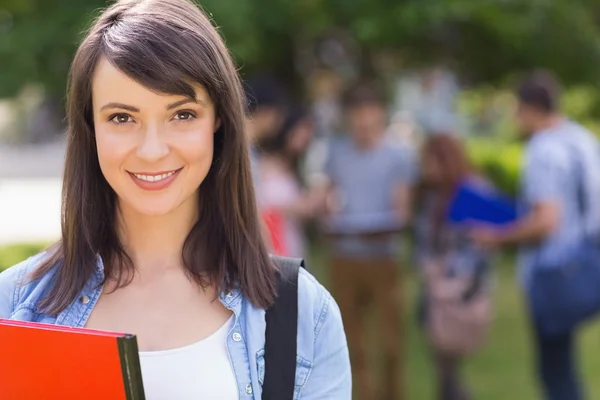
column 363, row 287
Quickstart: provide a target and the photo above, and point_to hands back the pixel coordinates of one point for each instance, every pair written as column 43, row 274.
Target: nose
column 153, row 146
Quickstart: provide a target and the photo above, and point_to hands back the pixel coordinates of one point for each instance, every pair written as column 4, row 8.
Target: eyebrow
column 169, row 107
column 185, row 101
column 120, row 105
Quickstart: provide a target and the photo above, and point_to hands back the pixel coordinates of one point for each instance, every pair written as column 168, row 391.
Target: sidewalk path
column 29, row 210
column 32, row 162
column 30, row 193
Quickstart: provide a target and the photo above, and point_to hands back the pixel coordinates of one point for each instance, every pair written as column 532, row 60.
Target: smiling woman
column 152, row 141
column 159, row 218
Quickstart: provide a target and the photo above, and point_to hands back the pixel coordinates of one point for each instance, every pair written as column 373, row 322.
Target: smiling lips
column 154, row 181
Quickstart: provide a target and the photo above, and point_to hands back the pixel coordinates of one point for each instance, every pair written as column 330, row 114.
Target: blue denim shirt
column 322, row 362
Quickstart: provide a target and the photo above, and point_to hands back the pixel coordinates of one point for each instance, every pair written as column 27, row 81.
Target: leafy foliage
column 13, row 254
column 486, row 40
column 499, row 160
column 39, row 41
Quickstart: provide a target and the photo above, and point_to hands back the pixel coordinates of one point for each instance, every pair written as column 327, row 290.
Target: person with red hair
column 444, row 251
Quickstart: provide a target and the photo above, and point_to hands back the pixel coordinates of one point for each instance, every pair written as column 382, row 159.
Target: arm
column 405, row 173
column 544, row 178
column 322, row 190
column 10, row 280
column 6, row 293
column 540, row 223
column 305, row 206
column 323, row 196
column 402, row 200
column 330, row 378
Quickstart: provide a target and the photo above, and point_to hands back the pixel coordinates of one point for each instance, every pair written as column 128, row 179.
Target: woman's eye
column 184, row 116
column 121, row 118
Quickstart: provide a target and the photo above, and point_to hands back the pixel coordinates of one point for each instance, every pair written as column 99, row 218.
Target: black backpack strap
column 281, row 333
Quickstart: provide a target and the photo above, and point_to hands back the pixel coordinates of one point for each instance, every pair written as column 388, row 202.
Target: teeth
column 154, row 178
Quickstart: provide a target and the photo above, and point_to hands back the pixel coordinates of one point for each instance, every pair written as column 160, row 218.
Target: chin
column 148, row 207
column 157, row 204
column 153, row 210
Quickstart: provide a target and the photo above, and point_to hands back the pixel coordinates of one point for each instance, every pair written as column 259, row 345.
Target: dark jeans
column 557, row 368
column 449, row 382
column 450, row 385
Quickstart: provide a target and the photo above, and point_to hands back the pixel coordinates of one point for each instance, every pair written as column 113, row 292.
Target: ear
column 217, row 124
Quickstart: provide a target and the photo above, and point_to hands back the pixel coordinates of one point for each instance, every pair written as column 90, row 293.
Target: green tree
column 38, row 41
column 485, row 40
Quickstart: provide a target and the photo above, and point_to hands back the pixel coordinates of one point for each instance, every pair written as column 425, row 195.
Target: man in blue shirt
column 560, row 157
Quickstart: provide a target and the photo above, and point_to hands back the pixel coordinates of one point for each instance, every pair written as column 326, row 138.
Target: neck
column 549, row 122
column 288, row 160
column 155, row 242
column 367, row 143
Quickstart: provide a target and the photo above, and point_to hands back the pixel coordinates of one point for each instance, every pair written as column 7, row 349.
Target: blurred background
column 446, row 65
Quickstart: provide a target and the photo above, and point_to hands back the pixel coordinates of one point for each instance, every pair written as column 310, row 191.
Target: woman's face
column 154, row 149
column 300, row 137
column 432, row 173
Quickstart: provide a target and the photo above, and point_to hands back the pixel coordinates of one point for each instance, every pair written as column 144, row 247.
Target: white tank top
column 199, row 371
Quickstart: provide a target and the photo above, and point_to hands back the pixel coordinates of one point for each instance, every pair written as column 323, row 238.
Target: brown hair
column 361, row 94
column 165, row 45
column 541, row 90
column 454, row 166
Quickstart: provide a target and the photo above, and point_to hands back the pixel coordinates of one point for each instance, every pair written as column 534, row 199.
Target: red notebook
column 50, row 362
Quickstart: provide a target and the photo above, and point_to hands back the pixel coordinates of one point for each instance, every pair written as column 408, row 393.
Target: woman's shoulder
column 315, row 306
column 312, row 295
column 319, row 316
column 322, row 358
column 322, row 341
column 16, row 288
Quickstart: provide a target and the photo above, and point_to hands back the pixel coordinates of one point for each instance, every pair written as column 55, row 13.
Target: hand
column 486, row 237
column 433, row 269
column 312, row 204
column 333, row 202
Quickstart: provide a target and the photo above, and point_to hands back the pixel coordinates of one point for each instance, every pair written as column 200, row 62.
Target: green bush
column 499, row 160
column 492, row 143
column 11, row 255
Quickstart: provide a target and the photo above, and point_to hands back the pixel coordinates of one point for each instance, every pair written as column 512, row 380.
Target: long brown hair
column 165, row 45
column 453, row 166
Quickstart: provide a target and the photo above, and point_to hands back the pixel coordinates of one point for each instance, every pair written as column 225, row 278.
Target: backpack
column 281, row 333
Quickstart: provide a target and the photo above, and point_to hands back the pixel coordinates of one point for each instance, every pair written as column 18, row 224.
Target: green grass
column 503, row 370
column 10, row 255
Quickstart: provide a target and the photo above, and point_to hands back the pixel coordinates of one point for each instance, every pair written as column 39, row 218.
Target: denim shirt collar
column 231, row 298
column 79, row 311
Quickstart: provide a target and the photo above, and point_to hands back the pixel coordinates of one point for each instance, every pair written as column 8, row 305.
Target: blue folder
column 481, row 204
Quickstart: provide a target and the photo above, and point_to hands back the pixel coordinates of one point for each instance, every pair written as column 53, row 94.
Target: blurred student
column 369, row 197
column 447, row 259
column 266, row 100
column 561, row 172
column 285, row 203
